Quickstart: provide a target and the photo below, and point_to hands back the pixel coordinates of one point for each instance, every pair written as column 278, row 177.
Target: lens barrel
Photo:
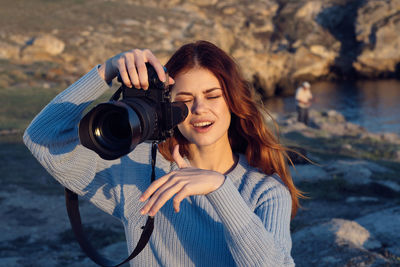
column 111, row 129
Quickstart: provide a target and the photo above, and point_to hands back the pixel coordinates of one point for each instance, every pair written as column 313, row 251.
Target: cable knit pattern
column 243, row 223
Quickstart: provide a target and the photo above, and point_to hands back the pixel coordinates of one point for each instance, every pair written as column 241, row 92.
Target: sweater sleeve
column 52, row 137
column 260, row 237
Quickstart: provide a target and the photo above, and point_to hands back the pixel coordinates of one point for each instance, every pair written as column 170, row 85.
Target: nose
column 199, row 106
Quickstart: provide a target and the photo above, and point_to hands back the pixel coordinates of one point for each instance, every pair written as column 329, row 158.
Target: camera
column 115, row 128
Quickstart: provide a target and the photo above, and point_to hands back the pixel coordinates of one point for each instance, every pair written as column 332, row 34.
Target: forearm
column 250, row 242
column 52, row 137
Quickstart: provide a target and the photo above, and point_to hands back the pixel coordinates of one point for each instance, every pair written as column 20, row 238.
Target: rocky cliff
column 278, row 43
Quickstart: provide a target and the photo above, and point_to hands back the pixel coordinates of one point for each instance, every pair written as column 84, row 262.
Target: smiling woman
column 209, row 118
column 223, row 188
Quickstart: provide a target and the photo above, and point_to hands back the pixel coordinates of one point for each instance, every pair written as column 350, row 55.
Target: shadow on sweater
column 116, row 189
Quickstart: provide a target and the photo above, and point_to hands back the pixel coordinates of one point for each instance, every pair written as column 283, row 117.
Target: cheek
column 226, row 113
column 185, row 124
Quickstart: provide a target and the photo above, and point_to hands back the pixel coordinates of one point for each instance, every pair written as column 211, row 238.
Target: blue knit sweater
column 243, row 223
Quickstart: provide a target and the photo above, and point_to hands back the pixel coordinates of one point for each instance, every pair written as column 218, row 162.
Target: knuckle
column 174, row 178
column 181, row 183
column 137, row 51
column 176, row 201
column 120, row 60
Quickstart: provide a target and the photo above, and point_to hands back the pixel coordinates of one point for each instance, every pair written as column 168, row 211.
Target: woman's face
column 209, row 117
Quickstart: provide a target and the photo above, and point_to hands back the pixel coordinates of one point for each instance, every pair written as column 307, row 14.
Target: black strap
column 72, row 203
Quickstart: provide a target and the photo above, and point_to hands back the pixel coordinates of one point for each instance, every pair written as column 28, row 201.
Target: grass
column 19, row 106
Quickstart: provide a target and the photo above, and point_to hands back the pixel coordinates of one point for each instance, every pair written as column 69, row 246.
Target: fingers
column 140, row 61
column 154, row 186
column 160, row 198
column 160, row 191
column 181, row 195
column 156, row 64
column 178, row 158
column 131, row 66
column 123, row 71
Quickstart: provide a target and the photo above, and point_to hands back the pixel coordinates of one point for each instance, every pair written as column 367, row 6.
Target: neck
column 216, row 157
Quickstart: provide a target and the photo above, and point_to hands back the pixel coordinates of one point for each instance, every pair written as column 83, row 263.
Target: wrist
column 220, row 179
column 101, row 70
column 106, row 72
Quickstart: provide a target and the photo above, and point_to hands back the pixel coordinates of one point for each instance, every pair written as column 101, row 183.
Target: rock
column 43, row 47
column 204, row 2
column 390, row 138
column 345, row 164
column 277, row 43
column 312, row 63
column 362, row 199
column 308, row 173
column 347, row 147
column 353, row 172
column 391, row 185
column 377, row 27
column 397, row 156
column 336, row 241
column 10, row 261
column 385, row 226
column 309, row 10
column 8, row 51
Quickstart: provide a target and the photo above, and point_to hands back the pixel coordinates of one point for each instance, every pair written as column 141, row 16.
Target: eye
column 188, row 100
column 214, row 96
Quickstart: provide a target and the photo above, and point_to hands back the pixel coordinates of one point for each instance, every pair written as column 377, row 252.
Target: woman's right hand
column 131, row 66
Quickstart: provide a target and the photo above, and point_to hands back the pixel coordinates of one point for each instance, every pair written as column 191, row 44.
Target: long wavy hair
column 248, row 133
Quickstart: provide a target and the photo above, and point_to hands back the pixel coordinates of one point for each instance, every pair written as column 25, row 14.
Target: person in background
column 303, row 102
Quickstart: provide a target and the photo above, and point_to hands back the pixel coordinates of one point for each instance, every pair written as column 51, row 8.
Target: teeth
column 202, row 124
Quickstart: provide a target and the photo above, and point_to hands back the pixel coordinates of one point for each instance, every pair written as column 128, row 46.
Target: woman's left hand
column 187, row 181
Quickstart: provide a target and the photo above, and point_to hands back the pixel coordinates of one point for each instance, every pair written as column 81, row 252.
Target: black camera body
column 113, row 129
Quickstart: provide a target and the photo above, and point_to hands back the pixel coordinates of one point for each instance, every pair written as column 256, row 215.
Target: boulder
column 386, row 227
column 308, row 173
column 8, row 51
column 377, row 28
column 353, row 172
column 334, row 243
column 276, row 43
column 42, row 47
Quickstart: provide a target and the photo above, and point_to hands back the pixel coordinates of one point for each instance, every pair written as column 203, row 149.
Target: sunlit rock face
column 277, row 43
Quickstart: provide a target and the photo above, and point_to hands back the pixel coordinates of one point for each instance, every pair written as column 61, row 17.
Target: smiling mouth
column 203, row 124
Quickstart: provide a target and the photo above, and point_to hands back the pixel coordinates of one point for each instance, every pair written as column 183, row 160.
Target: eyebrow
column 204, row 92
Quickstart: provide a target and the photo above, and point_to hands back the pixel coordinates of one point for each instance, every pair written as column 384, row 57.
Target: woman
column 223, row 196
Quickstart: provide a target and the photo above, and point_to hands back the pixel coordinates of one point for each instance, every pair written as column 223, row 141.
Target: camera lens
column 112, row 129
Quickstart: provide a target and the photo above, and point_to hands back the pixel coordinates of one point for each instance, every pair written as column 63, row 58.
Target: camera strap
column 72, row 203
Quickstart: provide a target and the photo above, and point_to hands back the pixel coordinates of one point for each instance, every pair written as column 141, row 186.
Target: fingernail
column 142, row 212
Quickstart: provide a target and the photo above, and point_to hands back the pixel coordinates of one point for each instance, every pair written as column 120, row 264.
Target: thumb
column 178, row 158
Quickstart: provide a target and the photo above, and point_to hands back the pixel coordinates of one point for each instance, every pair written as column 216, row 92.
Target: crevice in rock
column 340, row 21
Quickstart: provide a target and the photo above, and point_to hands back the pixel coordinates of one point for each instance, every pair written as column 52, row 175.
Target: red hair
column 247, row 132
